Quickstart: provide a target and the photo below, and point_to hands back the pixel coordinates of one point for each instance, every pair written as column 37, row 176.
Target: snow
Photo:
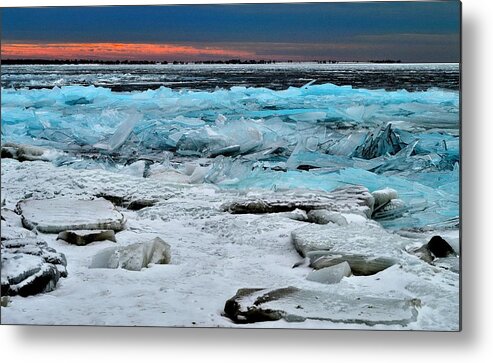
column 213, row 254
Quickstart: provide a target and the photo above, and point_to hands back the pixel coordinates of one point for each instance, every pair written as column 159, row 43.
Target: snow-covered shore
column 213, row 254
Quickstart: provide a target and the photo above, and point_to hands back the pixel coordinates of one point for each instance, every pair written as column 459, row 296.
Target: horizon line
column 231, row 61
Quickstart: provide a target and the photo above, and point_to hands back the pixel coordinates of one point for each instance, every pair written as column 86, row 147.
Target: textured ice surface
column 61, row 214
column 318, row 136
column 295, row 305
column 214, row 253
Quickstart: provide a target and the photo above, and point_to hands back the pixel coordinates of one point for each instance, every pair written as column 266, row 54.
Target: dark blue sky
column 410, row 31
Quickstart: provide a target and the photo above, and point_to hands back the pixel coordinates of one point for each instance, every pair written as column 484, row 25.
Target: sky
column 406, row 31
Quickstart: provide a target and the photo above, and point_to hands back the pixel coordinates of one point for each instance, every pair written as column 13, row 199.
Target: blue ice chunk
column 265, row 134
column 382, row 141
column 121, row 134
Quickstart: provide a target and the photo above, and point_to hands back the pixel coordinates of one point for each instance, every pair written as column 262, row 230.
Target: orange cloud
column 113, row 51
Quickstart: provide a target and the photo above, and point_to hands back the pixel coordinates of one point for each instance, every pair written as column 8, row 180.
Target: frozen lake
column 242, row 170
column 207, row 77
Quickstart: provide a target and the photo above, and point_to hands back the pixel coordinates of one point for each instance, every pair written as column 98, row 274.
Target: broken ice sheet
column 260, row 138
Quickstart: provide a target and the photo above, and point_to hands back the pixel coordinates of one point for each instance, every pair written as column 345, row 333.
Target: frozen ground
column 213, row 254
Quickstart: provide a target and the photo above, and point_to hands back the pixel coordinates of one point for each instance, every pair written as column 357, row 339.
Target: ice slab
column 355, row 238
column 359, row 264
column 354, row 199
column 330, row 274
column 30, row 267
column 134, row 257
column 295, row 305
column 380, row 142
column 61, row 214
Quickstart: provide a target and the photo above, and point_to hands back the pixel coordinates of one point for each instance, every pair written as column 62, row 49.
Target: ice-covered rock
column 61, row 214
column 83, row 237
column 30, row 267
column 134, row 257
column 4, row 301
column 295, row 305
column 436, row 248
column 359, row 264
column 440, row 248
column 331, row 274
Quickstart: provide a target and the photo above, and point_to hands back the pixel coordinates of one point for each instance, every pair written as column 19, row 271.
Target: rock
column 330, row 275
column 364, row 265
column 135, row 256
column 4, row 301
column 363, row 238
column 295, row 305
column 353, row 199
column 423, row 253
column 322, row 216
column 30, row 267
column 83, row 237
column 440, row 248
column 437, row 247
column 61, row 214
column 138, row 204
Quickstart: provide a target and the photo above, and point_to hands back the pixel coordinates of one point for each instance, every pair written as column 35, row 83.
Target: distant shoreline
column 181, row 63
column 178, row 62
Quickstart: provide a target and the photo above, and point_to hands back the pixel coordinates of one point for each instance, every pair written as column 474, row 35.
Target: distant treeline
column 230, row 61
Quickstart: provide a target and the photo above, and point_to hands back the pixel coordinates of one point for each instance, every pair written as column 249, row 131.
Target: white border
column 474, row 344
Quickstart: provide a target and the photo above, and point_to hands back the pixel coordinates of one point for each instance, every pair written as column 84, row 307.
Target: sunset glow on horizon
column 405, row 31
column 116, row 51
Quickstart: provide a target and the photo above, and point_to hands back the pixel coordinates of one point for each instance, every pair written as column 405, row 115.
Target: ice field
column 188, row 151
